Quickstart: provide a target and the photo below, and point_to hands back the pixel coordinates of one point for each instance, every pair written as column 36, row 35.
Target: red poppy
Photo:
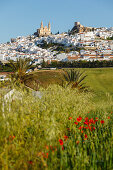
column 86, row 123
column 61, row 141
column 108, row 117
column 93, row 128
column 102, row 121
column 11, row 138
column 89, row 127
column 86, row 119
column 80, row 127
column 75, row 123
column 79, row 119
column 92, row 121
column 47, row 147
column 70, row 118
column 77, row 142
column 85, row 136
column 45, row 155
column 66, row 137
column 68, row 129
column 30, row 162
column 62, row 148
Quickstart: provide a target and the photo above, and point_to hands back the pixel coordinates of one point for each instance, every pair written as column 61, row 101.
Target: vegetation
column 60, row 127
column 64, row 129
column 5, row 68
column 20, row 68
column 110, row 38
column 75, row 78
column 80, row 64
column 99, row 80
column 56, row 47
column 45, row 78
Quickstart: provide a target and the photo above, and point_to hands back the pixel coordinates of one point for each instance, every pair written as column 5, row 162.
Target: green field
column 99, row 80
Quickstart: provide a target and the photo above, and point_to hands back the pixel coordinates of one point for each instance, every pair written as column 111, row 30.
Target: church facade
column 43, row 31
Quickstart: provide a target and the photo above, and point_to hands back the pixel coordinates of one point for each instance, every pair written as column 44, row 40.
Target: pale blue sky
column 23, row 17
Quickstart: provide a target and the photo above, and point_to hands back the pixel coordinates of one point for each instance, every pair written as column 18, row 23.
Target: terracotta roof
column 73, row 58
column 92, row 57
column 106, row 55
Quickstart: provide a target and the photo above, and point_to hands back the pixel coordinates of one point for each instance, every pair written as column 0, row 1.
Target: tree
column 43, row 64
column 74, row 78
column 19, row 68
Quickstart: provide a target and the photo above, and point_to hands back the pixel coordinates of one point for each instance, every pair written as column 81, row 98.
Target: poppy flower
column 102, row 121
column 75, row 123
column 86, row 123
column 93, row 128
column 62, row 148
column 66, row 137
column 61, row 141
column 108, row 117
column 79, row 119
column 30, row 162
column 80, row 127
column 45, row 155
column 89, row 127
column 77, row 142
column 68, row 129
column 85, row 136
column 86, row 119
column 11, row 138
column 47, row 147
column 70, row 118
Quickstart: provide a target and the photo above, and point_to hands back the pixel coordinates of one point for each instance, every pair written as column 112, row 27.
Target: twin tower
column 44, row 31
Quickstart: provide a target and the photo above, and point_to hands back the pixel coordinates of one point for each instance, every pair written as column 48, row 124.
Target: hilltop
column 81, row 43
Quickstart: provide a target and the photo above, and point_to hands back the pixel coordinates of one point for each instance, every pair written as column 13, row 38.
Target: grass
column 41, row 133
column 65, row 129
column 44, row 78
column 100, row 80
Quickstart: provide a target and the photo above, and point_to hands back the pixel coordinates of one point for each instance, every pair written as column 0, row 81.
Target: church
column 43, row 31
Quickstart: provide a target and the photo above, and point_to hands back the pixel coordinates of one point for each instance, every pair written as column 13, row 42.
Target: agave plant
column 75, row 78
column 19, row 68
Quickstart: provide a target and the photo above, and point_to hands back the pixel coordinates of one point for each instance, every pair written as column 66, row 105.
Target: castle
column 43, row 31
column 78, row 28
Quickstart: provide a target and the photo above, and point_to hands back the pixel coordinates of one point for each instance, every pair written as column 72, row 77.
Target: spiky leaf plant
column 19, row 68
column 75, row 78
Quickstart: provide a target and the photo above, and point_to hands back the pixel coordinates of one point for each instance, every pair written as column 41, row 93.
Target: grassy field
column 64, row 129
column 99, row 80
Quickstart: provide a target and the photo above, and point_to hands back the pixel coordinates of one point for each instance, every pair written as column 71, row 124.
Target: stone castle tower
column 78, row 28
column 44, row 31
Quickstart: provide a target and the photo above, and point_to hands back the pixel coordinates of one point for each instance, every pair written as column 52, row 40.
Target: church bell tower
column 49, row 27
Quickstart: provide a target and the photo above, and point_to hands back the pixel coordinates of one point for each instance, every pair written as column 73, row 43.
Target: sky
column 23, row 17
